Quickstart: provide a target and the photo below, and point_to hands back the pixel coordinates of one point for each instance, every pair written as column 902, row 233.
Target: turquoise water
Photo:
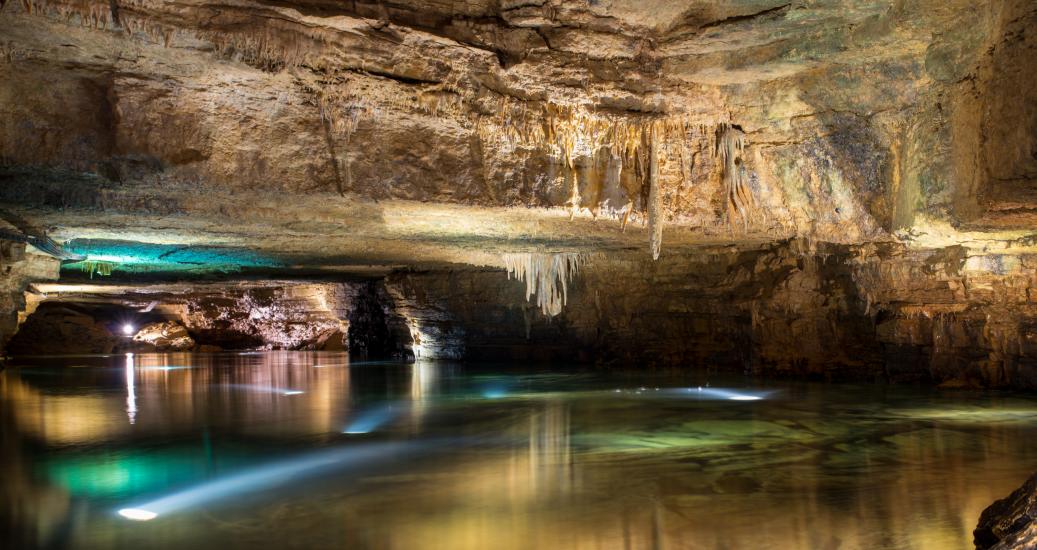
column 303, row 450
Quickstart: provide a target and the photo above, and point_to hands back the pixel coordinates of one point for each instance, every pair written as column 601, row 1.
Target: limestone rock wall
column 20, row 268
column 791, row 309
column 395, row 134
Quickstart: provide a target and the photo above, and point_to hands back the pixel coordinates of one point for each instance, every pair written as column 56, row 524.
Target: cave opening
column 357, row 319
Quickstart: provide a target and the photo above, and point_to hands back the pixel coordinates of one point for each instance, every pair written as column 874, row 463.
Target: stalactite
column 655, row 195
column 99, row 267
column 574, row 133
column 730, row 143
column 94, row 14
column 546, row 276
column 341, row 108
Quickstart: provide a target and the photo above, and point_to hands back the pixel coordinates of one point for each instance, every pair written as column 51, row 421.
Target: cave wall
column 272, row 317
column 55, row 329
column 841, row 312
column 996, row 123
column 20, row 267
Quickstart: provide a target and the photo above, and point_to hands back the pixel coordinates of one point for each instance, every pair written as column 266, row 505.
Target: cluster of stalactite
column 601, row 153
column 730, row 145
column 546, row 275
column 276, row 45
column 100, row 15
column 98, row 267
column 602, row 158
column 341, row 108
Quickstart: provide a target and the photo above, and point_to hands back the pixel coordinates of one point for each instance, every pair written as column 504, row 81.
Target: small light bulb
column 127, row 329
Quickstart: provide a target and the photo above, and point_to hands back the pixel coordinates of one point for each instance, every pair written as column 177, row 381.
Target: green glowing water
column 450, row 456
column 130, row 257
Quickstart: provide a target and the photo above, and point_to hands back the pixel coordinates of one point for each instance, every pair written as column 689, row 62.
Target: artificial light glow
column 263, row 389
column 719, row 393
column 137, row 514
column 111, row 258
column 271, row 475
column 370, row 420
column 702, row 393
column 127, row 329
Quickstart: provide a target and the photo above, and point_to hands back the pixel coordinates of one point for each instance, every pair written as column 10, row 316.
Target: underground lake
column 297, row 449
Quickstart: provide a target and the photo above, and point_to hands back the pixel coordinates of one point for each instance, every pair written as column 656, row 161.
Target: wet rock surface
column 1009, row 524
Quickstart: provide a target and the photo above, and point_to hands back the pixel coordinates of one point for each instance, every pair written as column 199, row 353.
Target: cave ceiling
column 368, row 135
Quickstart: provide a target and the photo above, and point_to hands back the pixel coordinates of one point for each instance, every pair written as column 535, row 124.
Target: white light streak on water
column 271, row 475
column 131, row 392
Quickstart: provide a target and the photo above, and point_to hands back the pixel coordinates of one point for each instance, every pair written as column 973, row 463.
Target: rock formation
column 165, row 336
column 1009, row 523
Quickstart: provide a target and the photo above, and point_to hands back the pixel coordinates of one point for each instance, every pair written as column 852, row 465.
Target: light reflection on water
column 233, row 450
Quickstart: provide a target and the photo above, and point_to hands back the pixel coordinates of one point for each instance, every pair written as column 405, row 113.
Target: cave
column 518, row 274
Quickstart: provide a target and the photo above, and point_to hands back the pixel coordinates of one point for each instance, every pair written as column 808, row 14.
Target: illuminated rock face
column 268, row 315
column 167, row 336
column 20, row 268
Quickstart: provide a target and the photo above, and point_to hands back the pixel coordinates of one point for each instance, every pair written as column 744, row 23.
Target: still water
column 304, row 450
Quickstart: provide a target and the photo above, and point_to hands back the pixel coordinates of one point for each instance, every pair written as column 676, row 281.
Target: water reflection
column 131, row 389
column 217, row 450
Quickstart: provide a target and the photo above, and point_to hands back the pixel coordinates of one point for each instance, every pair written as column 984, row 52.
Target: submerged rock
column 1009, row 523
